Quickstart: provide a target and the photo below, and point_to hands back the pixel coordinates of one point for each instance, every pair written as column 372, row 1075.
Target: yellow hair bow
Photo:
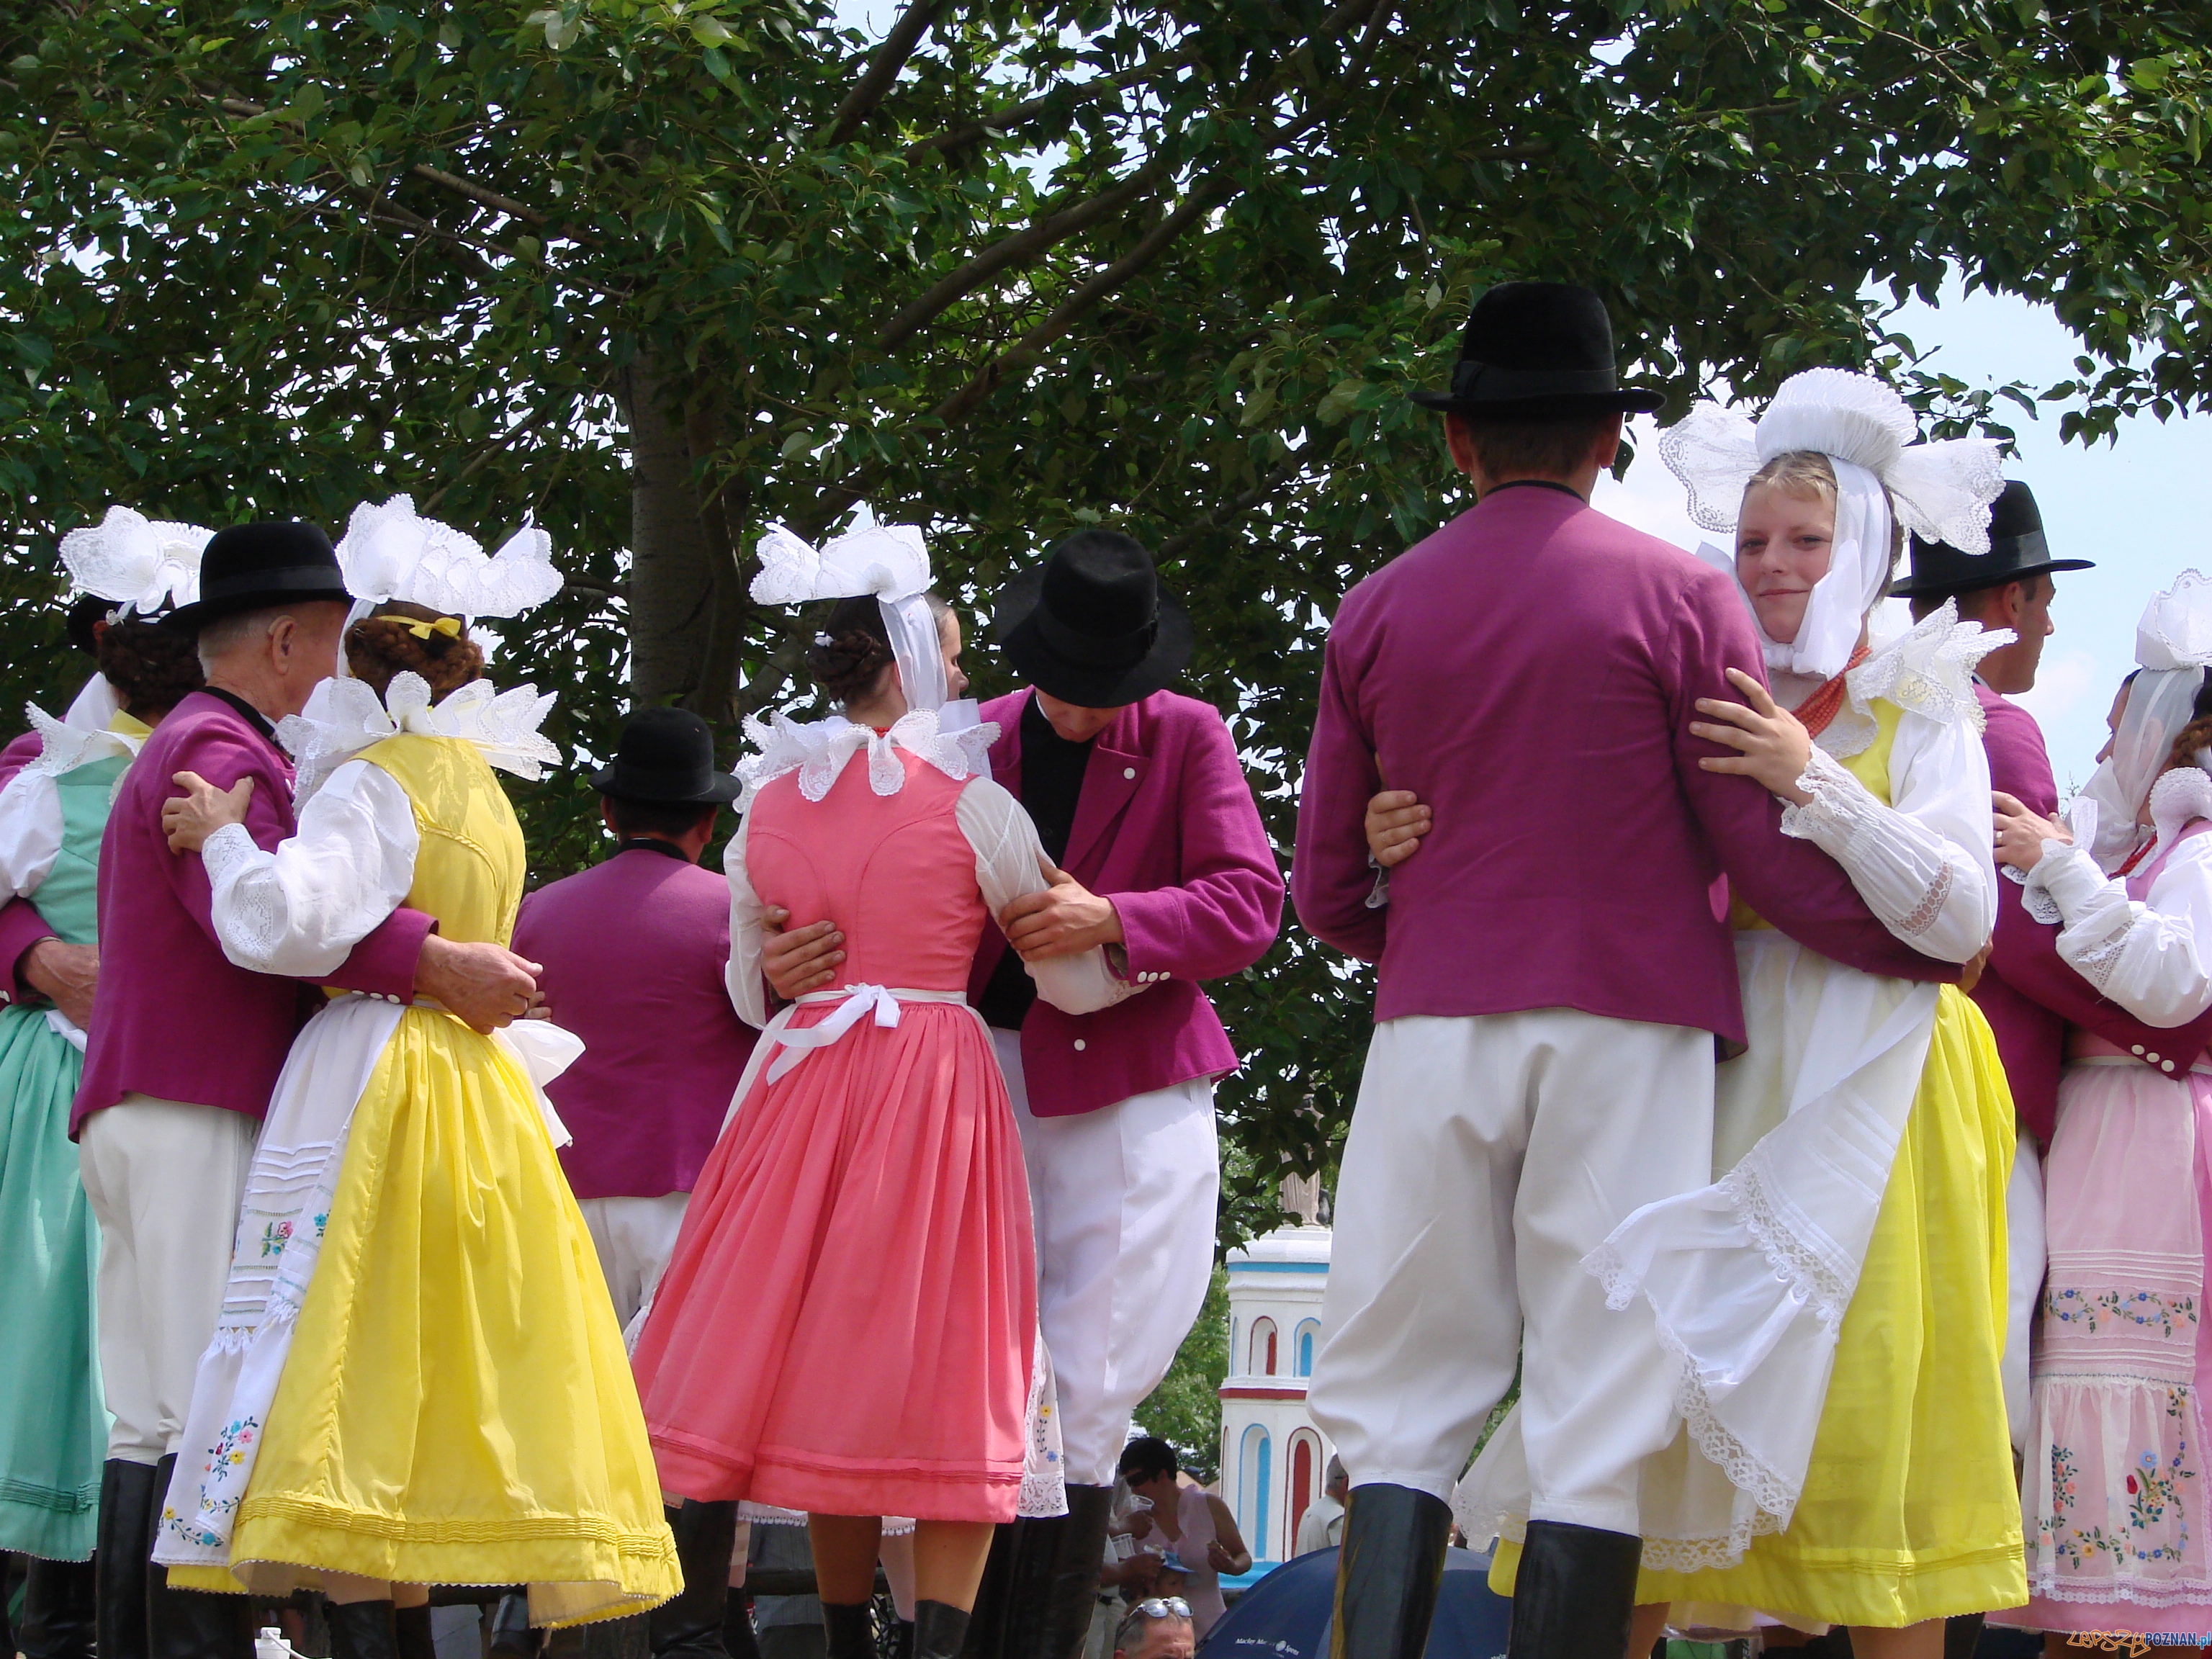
column 449, row 626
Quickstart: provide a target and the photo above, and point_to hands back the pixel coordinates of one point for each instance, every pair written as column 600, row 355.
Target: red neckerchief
column 2129, row 863
column 1818, row 711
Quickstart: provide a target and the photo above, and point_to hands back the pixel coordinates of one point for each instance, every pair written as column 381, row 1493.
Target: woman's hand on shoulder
column 2021, row 833
column 190, row 818
column 1396, row 820
column 1772, row 746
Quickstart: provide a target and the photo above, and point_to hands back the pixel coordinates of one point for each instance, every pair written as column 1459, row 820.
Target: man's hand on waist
column 65, row 974
column 802, row 960
column 485, row 985
column 1065, row 919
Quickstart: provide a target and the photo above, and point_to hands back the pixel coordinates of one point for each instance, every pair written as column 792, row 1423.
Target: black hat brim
column 1624, row 400
column 1014, row 625
column 721, row 792
column 1909, row 589
column 191, row 619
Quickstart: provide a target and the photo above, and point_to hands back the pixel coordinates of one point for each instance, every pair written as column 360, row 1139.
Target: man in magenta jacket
column 184, row 1049
column 1550, row 989
column 1141, row 804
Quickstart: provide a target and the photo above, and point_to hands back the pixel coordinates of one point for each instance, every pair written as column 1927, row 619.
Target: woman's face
column 2113, row 722
column 948, row 637
column 1783, row 544
column 1160, row 1488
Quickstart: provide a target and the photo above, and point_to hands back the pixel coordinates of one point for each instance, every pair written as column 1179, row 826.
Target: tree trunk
column 671, row 576
column 720, row 514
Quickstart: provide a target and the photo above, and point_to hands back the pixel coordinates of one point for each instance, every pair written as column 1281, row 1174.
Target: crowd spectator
column 1321, row 1527
column 1157, row 1628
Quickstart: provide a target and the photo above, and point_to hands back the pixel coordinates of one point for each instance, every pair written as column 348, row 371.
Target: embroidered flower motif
column 2090, row 1310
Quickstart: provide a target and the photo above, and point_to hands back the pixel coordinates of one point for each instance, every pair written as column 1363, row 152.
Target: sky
column 2134, row 506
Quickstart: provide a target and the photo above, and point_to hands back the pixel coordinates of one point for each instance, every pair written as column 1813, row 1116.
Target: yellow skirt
column 457, row 1407
column 1911, row 1509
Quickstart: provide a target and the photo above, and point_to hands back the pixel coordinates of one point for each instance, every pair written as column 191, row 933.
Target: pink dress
column 2116, row 1510
column 847, row 1324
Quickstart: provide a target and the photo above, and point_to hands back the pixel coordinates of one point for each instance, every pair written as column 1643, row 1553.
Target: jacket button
column 2153, row 1059
column 2136, row 1049
column 1079, row 1043
column 1129, row 772
column 2165, row 1065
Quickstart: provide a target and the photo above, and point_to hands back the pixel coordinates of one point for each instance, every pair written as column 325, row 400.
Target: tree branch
column 1019, row 248
column 1174, row 546
column 1058, row 99
column 884, row 64
column 484, row 453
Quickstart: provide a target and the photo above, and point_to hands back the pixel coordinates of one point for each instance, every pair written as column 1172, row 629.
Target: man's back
column 633, row 950
column 1531, row 671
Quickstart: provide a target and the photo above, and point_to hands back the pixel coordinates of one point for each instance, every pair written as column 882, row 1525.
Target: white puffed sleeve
column 1921, row 863
column 1009, row 865
column 299, row 911
column 30, row 832
column 747, row 985
column 2151, row 956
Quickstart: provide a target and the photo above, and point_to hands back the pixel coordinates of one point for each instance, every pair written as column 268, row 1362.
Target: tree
column 1185, row 1410
column 661, row 271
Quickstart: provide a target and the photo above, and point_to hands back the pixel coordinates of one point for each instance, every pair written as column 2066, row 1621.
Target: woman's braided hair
column 380, row 647
column 853, row 647
column 150, row 666
column 2198, row 734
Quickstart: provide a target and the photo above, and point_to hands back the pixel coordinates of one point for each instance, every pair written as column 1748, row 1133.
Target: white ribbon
column 858, row 1000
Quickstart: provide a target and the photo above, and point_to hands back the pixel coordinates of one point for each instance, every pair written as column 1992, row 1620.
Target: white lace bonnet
column 143, row 564
column 2173, row 647
column 887, row 560
column 1942, row 491
column 391, row 552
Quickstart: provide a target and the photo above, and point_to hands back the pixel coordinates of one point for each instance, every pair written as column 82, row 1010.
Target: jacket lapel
column 1115, row 775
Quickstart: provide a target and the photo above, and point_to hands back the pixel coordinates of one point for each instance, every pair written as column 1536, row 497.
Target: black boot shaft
column 364, row 1630
column 1574, row 1594
column 939, row 1632
column 1389, row 1572
column 1071, row 1593
column 690, row 1625
column 848, row 1630
column 60, row 1610
column 126, row 1512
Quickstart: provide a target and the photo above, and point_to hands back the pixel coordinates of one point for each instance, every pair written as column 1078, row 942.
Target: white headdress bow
column 143, row 564
column 887, row 560
column 390, row 551
column 2173, row 647
column 1942, row 492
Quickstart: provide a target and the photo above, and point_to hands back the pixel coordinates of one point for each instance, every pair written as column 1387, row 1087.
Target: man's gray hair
column 1130, row 1632
column 225, row 634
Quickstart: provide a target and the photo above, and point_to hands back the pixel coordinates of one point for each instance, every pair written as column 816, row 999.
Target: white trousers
column 165, row 1180
column 1487, row 1155
column 1123, row 1204
column 2026, row 1256
column 634, row 1237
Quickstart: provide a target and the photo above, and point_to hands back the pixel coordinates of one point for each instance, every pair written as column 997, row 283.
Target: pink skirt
column 2118, row 1519
column 846, row 1326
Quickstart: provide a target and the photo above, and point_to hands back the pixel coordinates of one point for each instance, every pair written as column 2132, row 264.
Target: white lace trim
column 390, row 551
column 2097, row 965
column 888, row 560
column 769, row 1515
column 63, row 748
column 818, row 750
column 344, row 717
column 1842, row 813
column 2181, row 796
column 2176, row 629
column 1929, row 670
column 1940, row 491
column 142, row 563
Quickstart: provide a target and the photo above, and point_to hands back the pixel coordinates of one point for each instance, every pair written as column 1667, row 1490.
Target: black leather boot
column 60, row 1608
column 1389, row 1572
column 126, row 1497
column 849, row 1630
column 364, row 1630
column 939, row 1632
column 1575, row 1593
column 737, row 1638
column 183, row 1624
column 902, row 1642
column 416, row 1635
column 1071, row 1592
column 690, row 1625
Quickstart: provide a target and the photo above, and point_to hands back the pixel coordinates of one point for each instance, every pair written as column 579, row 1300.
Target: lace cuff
column 1846, row 821
column 257, row 925
column 2066, row 887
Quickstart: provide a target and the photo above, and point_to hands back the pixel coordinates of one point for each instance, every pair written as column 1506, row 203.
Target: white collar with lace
column 343, row 717
column 63, row 747
column 1928, row 671
column 818, row 750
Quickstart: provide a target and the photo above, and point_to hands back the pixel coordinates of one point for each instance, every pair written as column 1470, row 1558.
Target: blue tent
column 1286, row 1614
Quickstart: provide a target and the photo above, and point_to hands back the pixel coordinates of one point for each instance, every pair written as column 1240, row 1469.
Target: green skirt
column 53, row 1426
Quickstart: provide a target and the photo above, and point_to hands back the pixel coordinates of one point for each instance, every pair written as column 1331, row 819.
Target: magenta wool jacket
column 633, row 951
column 2028, row 992
column 172, row 1016
column 20, row 924
column 1530, row 670
column 1166, row 828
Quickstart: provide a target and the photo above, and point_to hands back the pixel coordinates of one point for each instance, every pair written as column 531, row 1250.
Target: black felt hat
column 2017, row 550
column 1538, row 349
column 249, row 566
column 1090, row 626
column 667, row 754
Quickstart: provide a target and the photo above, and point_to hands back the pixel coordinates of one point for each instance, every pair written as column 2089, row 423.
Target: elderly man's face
column 1161, row 1638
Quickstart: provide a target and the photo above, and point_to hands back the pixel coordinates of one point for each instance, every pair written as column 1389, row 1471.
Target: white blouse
column 2150, row 957
column 1008, row 861
column 1923, row 863
column 299, row 911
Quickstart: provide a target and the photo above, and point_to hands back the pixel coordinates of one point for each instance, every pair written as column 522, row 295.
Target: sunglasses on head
column 1163, row 1606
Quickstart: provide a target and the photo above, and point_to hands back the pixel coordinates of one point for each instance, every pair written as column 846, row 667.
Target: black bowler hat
column 2017, row 550
column 1538, row 349
column 251, row 566
column 667, row 754
column 1090, row 626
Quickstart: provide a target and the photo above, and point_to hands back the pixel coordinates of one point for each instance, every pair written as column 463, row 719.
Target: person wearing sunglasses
column 1158, row 1627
